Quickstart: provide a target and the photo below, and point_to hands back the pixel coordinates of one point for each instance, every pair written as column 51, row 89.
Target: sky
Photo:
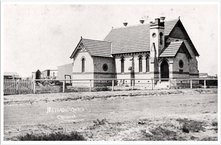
column 40, row 36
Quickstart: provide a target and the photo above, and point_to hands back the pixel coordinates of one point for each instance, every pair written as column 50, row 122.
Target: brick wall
column 77, row 68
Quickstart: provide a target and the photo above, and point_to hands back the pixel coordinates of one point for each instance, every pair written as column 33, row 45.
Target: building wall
column 64, row 70
column 100, row 73
column 193, row 64
column 126, row 75
column 54, row 73
column 178, row 33
column 128, row 63
column 176, row 67
column 77, row 68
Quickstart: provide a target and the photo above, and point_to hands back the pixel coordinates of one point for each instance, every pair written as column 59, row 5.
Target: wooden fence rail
column 49, row 86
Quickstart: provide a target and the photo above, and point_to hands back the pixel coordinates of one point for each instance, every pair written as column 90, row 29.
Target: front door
column 164, row 70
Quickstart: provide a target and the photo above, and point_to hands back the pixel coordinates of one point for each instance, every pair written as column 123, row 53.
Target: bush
column 191, row 125
column 96, row 89
column 100, row 122
column 214, row 123
column 58, row 136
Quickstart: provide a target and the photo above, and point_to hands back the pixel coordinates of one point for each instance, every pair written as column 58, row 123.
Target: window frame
column 83, row 65
column 140, row 64
column 147, row 64
column 161, row 38
column 122, row 64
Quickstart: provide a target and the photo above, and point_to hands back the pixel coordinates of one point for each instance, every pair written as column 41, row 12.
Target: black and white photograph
column 128, row 72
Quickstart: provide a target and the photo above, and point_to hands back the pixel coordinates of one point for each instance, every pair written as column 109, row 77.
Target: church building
column 160, row 50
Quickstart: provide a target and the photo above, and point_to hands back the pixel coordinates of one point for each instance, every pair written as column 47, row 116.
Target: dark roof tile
column 134, row 38
column 172, row 49
column 97, row 47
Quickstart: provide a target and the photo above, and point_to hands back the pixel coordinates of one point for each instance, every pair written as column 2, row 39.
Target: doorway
column 164, row 71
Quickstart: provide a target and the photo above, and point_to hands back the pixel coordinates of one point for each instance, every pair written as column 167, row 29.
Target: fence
column 90, row 85
column 18, row 87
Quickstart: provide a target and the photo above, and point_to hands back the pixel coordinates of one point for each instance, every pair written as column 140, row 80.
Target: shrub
column 100, row 122
column 57, row 136
column 95, row 89
column 191, row 125
column 214, row 123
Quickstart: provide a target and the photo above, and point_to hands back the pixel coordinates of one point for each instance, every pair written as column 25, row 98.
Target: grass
column 160, row 134
column 58, row 136
column 191, row 125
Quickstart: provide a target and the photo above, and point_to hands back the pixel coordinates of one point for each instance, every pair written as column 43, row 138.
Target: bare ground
column 120, row 115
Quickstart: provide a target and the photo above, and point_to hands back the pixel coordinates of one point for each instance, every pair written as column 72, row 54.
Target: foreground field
column 126, row 115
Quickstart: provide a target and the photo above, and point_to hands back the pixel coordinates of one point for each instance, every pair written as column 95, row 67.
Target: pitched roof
column 11, row 74
column 134, row 38
column 95, row 47
column 173, row 48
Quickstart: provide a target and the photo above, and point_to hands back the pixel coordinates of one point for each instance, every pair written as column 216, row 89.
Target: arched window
column 140, row 63
column 83, row 65
column 147, row 63
column 122, row 65
column 161, row 38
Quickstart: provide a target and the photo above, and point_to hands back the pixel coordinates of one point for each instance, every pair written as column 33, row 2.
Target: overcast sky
column 44, row 36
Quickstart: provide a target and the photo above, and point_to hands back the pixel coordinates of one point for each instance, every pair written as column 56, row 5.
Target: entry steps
column 162, row 85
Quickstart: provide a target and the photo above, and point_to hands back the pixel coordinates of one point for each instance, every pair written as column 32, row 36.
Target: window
column 105, row 67
column 147, row 64
column 83, row 65
column 122, row 64
column 161, row 38
column 181, row 64
column 140, row 63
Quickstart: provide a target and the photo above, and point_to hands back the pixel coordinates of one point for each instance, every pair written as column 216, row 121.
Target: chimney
column 125, row 23
column 141, row 21
column 157, row 21
column 162, row 19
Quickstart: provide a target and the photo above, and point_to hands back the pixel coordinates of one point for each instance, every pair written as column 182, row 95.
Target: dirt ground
column 116, row 116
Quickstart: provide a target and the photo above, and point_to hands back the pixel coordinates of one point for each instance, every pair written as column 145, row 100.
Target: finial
column 81, row 37
column 178, row 17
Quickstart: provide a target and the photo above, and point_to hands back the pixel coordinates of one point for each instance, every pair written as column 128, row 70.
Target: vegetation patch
column 58, row 136
column 160, row 134
column 191, row 125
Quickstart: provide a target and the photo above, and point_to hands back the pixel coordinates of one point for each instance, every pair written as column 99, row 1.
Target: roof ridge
column 96, row 40
column 142, row 24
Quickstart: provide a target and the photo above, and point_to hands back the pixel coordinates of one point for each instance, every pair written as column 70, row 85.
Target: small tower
column 156, row 44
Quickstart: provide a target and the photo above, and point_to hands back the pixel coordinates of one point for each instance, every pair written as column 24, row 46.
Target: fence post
column 34, row 86
column 90, row 85
column 63, row 88
column 132, row 84
column 204, row 83
column 152, row 84
column 169, row 83
column 112, row 85
column 16, row 85
column 176, row 84
column 191, row 84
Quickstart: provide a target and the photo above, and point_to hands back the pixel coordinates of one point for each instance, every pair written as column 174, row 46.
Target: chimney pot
column 162, row 18
column 125, row 23
column 141, row 21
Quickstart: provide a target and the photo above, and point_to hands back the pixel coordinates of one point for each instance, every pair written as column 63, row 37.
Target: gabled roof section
column 11, row 74
column 179, row 24
column 134, row 38
column 94, row 47
column 173, row 49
